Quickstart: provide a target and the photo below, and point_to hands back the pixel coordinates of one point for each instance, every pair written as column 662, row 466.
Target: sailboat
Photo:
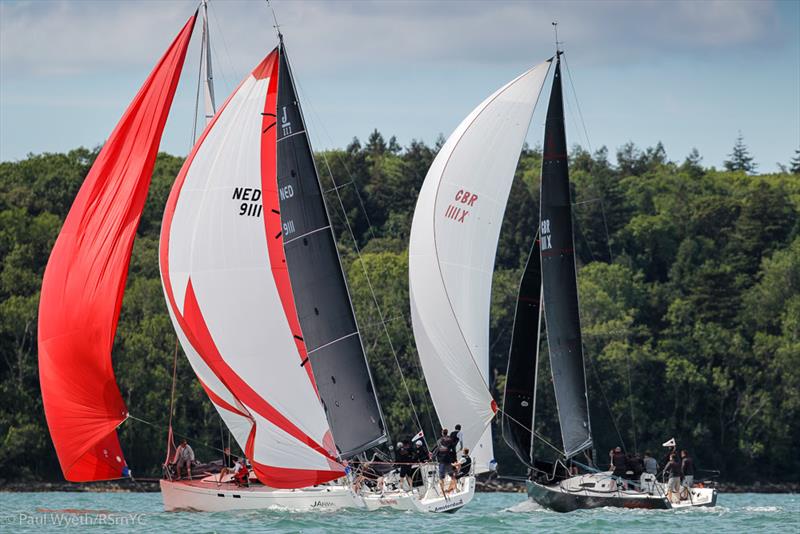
column 548, row 290
column 454, row 235
column 254, row 287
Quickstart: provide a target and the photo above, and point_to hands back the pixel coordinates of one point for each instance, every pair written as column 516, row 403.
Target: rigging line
column 361, row 260
column 603, row 393
column 224, row 46
column 372, row 292
column 187, row 438
column 608, row 236
column 420, row 377
column 172, row 394
column 529, row 431
column 197, row 97
column 630, row 401
column 577, row 103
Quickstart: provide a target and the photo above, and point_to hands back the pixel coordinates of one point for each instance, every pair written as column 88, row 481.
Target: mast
column 329, row 328
column 205, row 61
column 559, row 279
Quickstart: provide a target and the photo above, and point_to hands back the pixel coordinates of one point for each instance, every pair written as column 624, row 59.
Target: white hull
column 207, row 495
column 427, row 498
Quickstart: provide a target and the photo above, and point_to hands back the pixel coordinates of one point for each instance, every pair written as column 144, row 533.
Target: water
column 489, row 512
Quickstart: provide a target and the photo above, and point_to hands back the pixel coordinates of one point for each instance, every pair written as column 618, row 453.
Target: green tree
column 740, row 158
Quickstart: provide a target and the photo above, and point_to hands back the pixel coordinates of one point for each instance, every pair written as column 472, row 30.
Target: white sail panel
column 452, row 249
column 224, row 300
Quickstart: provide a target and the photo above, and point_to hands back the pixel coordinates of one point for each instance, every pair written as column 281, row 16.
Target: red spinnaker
column 85, row 279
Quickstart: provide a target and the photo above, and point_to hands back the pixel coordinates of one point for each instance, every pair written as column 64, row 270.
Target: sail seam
column 312, row 351
column 285, row 242
column 290, row 135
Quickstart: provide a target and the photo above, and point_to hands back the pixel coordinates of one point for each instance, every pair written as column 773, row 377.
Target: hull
column 426, row 499
column 208, row 496
column 600, row 490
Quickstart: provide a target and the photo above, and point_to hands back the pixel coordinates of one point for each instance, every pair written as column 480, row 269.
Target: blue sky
column 689, row 74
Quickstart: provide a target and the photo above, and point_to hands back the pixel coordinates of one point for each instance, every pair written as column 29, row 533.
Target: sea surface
column 487, row 513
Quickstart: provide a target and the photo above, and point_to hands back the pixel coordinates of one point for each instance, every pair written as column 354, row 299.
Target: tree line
column 689, row 287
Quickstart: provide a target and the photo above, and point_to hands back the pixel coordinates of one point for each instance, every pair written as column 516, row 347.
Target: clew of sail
column 452, row 249
column 85, row 278
column 223, row 272
column 559, row 280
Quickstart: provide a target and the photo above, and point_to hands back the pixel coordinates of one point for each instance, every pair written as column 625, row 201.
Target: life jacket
column 444, row 449
column 465, row 466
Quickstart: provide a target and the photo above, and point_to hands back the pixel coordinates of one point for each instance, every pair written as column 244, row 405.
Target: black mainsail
column 324, row 310
column 559, row 281
column 518, row 397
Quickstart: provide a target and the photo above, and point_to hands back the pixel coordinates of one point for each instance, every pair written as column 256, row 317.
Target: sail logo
column 456, row 212
column 250, row 197
column 286, row 126
column 546, row 244
column 286, row 192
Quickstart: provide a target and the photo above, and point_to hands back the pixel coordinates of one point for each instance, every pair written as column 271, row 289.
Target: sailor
column 241, row 474
column 421, row 454
column 184, row 456
column 687, row 468
column 459, row 437
column 445, row 449
column 404, row 458
column 618, row 463
column 461, row 469
column 650, row 464
column 673, row 469
column 228, row 463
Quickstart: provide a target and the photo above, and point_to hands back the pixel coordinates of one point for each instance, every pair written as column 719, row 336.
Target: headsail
column 224, row 275
column 85, row 278
column 518, row 397
column 329, row 330
column 452, row 249
column 559, row 280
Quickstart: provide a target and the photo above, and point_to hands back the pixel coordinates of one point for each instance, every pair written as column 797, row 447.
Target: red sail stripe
column 272, row 217
column 166, row 227
column 222, row 403
column 84, row 282
column 195, row 328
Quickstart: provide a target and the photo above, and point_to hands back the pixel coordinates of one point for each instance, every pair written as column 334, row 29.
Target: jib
column 465, row 197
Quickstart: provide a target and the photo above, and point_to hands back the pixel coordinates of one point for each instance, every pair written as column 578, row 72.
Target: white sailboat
column 452, row 247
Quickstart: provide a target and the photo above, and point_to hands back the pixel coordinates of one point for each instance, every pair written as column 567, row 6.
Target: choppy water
column 488, row 513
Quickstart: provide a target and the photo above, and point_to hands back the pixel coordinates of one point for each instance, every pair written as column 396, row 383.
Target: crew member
column 445, row 449
column 461, row 469
column 673, row 469
column 459, row 437
column 184, row 456
column 404, row 459
column 650, row 464
column 687, row 468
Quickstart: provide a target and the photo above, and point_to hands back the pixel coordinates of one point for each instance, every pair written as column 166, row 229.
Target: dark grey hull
column 559, row 500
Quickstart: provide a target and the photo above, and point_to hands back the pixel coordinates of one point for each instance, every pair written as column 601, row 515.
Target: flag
column 420, row 435
column 670, row 443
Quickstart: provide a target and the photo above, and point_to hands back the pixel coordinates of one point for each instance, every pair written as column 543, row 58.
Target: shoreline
column 150, row 485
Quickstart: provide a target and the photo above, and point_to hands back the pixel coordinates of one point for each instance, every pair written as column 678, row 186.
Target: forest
column 689, row 283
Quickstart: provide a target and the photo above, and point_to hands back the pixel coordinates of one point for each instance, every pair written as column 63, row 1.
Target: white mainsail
column 452, row 249
column 224, row 299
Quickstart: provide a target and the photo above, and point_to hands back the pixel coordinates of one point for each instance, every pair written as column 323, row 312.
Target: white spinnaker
column 224, row 254
column 451, row 256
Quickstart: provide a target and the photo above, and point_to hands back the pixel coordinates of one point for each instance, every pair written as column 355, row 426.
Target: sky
column 689, row 74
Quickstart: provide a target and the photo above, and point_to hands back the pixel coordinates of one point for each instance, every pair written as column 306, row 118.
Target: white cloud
column 59, row 37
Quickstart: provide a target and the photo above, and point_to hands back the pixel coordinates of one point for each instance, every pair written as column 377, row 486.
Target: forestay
column 227, row 291
column 452, row 248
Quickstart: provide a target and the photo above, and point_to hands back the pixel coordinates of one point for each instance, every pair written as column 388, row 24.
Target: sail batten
column 84, row 282
column 559, row 279
column 452, row 248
